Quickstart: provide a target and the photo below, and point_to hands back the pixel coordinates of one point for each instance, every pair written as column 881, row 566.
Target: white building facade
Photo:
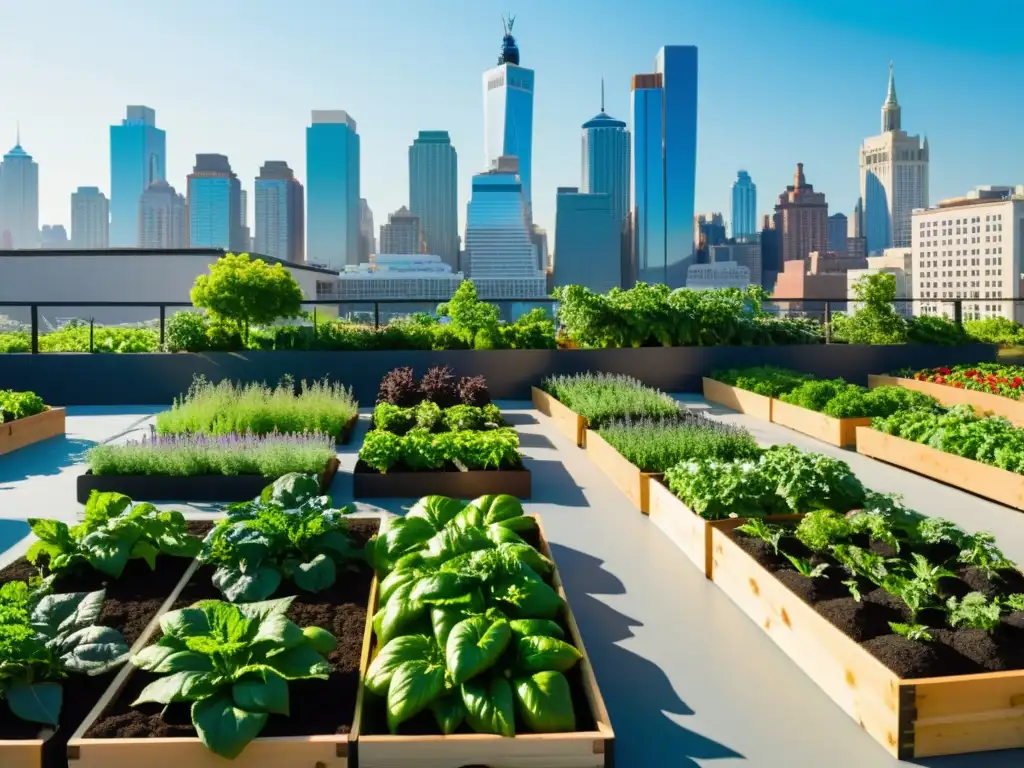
column 893, row 179
column 163, row 218
column 19, row 200
column 385, row 277
column 721, row 274
column 90, row 218
column 970, row 248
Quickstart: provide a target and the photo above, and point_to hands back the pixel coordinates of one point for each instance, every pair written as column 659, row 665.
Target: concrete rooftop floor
column 687, row 678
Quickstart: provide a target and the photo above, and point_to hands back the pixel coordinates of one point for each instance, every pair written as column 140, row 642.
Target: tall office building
column 838, row 226
column 856, row 243
column 433, row 193
column 19, row 199
column 214, row 205
column 586, row 240
column 893, row 178
column 245, row 237
column 90, row 219
column 138, row 152
column 499, row 247
column 508, row 112
column 402, row 233
column 664, row 167
column 367, row 236
column 332, row 190
column 801, row 217
column 163, row 218
column 606, row 152
column 744, row 207
column 280, row 213
column 53, row 236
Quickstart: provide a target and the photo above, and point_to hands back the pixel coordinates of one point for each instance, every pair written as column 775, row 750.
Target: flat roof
column 158, row 252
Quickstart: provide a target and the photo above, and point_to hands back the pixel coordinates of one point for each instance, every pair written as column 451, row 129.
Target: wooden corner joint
column 341, row 749
column 598, row 746
column 74, row 753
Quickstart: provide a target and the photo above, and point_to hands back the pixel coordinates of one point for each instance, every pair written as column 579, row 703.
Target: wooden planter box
column 582, row 749
column 828, row 429
column 627, row 477
column 982, row 402
column 909, row 718
column 688, row 530
column 740, row 400
column 212, row 488
column 472, row 484
column 28, row 753
column 33, row 429
column 981, row 479
column 345, row 436
column 327, row 751
column 569, row 423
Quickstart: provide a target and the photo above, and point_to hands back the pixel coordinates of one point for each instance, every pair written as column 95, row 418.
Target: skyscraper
column 665, row 166
column 586, row 240
column 402, row 233
column 280, row 213
column 90, row 219
column 508, row 112
column 801, row 217
column 433, row 193
column 245, row 236
column 332, row 192
column 744, row 207
column 838, row 226
column 893, row 178
column 54, row 236
column 19, row 199
column 163, row 218
column 367, row 237
column 214, row 205
column 499, row 248
column 138, row 151
column 606, row 161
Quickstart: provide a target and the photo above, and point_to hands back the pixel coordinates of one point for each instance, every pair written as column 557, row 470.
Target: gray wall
column 154, row 379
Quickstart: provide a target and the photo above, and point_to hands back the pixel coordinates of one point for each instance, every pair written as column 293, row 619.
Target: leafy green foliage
column 19, row 405
column 233, row 662
column 767, row 380
column 822, row 529
column 114, row 531
column 428, row 416
column 604, row 397
column 995, row 330
column 876, row 321
column 655, row 445
column 766, row 532
column 263, row 543
column 187, row 332
column 836, row 398
column 43, row 639
column 421, row 450
column 917, row 632
column 806, row 568
column 974, row 611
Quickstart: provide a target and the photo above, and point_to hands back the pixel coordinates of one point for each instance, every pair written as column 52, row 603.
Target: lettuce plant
column 233, row 663
column 114, row 532
column 46, row 637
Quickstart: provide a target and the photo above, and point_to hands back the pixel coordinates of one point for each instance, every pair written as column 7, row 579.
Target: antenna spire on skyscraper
column 602, row 94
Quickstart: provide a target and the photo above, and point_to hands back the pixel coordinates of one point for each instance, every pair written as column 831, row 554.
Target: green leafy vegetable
column 918, row 632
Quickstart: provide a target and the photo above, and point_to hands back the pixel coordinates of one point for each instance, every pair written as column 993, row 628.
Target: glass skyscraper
column 214, row 205
column 19, row 200
column 433, row 193
column 606, row 160
column 648, row 260
column 587, row 240
column 332, row 190
column 508, row 112
column 138, row 152
column 744, row 206
column 280, row 213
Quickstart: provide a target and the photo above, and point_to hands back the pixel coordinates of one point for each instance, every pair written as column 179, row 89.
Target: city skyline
column 942, row 62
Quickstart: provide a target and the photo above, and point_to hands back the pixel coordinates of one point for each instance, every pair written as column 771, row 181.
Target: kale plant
column 807, row 480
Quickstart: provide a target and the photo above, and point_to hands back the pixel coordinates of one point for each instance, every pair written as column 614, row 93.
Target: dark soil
column 317, row 706
column 867, row 621
column 130, row 604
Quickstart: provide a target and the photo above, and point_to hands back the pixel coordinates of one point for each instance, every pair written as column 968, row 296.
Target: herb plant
column 473, row 390
column 400, row 387
column 440, row 386
column 767, row 380
column 655, row 445
column 603, row 397
column 766, row 532
column 974, row 611
column 233, row 662
column 836, row 398
column 917, row 632
column 43, row 639
column 19, row 405
column 806, row 568
column 114, row 532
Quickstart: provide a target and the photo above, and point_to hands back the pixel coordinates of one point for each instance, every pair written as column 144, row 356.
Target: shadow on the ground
column 519, row 419
column 639, row 696
column 11, row 532
column 48, row 457
column 552, row 484
column 534, row 440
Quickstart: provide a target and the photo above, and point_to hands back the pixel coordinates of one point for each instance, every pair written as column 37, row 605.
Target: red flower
column 959, row 385
column 1015, row 384
column 972, row 372
column 1018, row 380
column 944, row 371
column 939, row 380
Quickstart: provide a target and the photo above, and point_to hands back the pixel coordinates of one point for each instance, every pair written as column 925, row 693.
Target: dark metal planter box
column 368, row 484
column 220, row 488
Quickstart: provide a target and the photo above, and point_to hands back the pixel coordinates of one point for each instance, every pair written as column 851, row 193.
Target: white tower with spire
column 19, row 199
column 893, row 178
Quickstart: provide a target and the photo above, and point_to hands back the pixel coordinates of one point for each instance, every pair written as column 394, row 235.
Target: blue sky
column 780, row 82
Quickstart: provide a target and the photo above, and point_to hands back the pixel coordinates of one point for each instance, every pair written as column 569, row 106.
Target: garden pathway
column 688, row 679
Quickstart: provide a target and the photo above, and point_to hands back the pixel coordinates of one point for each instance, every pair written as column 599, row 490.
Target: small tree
column 240, row 291
column 474, row 321
column 876, row 321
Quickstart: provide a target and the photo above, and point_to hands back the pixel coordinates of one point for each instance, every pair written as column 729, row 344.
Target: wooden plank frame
column 584, row 749
column 28, row 753
column 569, row 423
column 972, row 476
column 628, row 478
column 911, row 719
column 32, row 429
column 322, row 751
column 739, row 400
column 838, row 432
column 688, row 530
column 982, row 402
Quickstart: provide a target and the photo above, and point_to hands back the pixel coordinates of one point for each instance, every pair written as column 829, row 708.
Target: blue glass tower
column 332, row 190
column 606, row 160
column 508, row 111
column 215, row 205
column 587, row 242
column 138, row 153
column 280, row 208
column 744, row 206
column 648, row 221
column 433, row 193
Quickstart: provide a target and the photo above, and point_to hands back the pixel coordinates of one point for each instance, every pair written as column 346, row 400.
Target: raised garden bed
column 591, row 746
column 31, row 429
column 344, row 436
column 982, row 402
column 739, row 400
column 469, row 484
column 570, row 424
column 319, row 730
column 188, row 488
column 838, row 432
column 983, row 480
column 132, row 605
column 628, row 478
column 916, row 696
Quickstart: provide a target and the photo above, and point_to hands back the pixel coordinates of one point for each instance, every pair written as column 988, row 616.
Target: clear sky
column 780, row 82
